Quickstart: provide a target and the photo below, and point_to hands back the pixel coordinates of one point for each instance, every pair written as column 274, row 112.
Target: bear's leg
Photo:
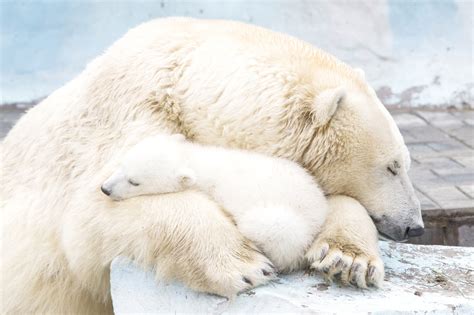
column 183, row 236
column 347, row 245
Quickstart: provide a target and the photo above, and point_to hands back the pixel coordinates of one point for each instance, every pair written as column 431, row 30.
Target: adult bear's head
column 357, row 150
column 321, row 114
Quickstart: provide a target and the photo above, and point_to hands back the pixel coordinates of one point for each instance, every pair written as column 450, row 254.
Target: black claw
column 324, row 252
column 247, row 280
column 371, row 271
column 355, row 267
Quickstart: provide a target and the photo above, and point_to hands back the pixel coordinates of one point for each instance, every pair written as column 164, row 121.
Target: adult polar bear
column 218, row 82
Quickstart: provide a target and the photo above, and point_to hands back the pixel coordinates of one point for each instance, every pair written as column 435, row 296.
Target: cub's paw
column 354, row 265
column 243, row 271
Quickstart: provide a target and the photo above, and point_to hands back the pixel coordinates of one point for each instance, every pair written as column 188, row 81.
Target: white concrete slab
column 432, row 279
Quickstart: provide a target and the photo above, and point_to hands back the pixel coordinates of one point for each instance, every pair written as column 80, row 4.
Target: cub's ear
column 187, row 177
column 360, row 72
column 178, row 137
column 325, row 105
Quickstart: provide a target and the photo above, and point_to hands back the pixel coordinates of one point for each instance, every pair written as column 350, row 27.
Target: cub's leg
column 283, row 235
column 347, row 245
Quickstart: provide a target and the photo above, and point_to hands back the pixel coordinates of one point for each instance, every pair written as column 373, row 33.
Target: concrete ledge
column 450, row 213
column 435, row 279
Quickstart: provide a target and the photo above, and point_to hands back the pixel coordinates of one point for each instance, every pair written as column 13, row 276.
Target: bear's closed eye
column 133, row 183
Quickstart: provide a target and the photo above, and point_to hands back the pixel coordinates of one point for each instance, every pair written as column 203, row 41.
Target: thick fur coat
column 218, row 82
column 274, row 202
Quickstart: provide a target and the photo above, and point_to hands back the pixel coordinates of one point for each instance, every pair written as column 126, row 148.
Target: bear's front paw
column 247, row 269
column 352, row 264
column 256, row 271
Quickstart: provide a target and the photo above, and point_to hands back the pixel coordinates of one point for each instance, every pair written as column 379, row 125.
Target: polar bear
column 218, row 82
column 274, row 202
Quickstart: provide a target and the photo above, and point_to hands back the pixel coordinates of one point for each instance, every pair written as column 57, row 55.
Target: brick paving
column 442, row 149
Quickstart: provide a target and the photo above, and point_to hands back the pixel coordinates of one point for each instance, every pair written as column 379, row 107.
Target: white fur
column 218, row 82
column 360, row 72
column 275, row 202
column 360, row 265
column 326, row 105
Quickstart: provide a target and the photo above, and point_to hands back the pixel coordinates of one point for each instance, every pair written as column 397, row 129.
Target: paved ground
column 442, row 149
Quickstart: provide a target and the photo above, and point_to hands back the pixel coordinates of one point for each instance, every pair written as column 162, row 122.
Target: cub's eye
column 393, row 168
column 392, row 171
column 131, row 182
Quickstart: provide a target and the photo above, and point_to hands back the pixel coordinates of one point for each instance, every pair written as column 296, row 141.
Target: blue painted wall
column 45, row 43
column 420, row 23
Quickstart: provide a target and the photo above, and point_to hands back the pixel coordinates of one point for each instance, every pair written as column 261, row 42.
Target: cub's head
column 155, row 165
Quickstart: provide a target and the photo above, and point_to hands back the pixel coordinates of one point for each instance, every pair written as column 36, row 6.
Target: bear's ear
column 325, row 105
column 187, row 177
column 360, row 73
column 178, row 137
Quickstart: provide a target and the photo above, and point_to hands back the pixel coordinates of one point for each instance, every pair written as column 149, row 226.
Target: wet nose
column 105, row 190
column 415, row 231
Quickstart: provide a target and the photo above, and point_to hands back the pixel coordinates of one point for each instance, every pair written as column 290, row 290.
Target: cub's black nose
column 415, row 231
column 105, row 190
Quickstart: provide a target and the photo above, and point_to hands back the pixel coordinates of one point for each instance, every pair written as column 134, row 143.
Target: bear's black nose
column 105, row 190
column 415, row 231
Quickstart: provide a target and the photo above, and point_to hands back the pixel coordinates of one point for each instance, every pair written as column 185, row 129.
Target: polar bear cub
column 274, row 202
